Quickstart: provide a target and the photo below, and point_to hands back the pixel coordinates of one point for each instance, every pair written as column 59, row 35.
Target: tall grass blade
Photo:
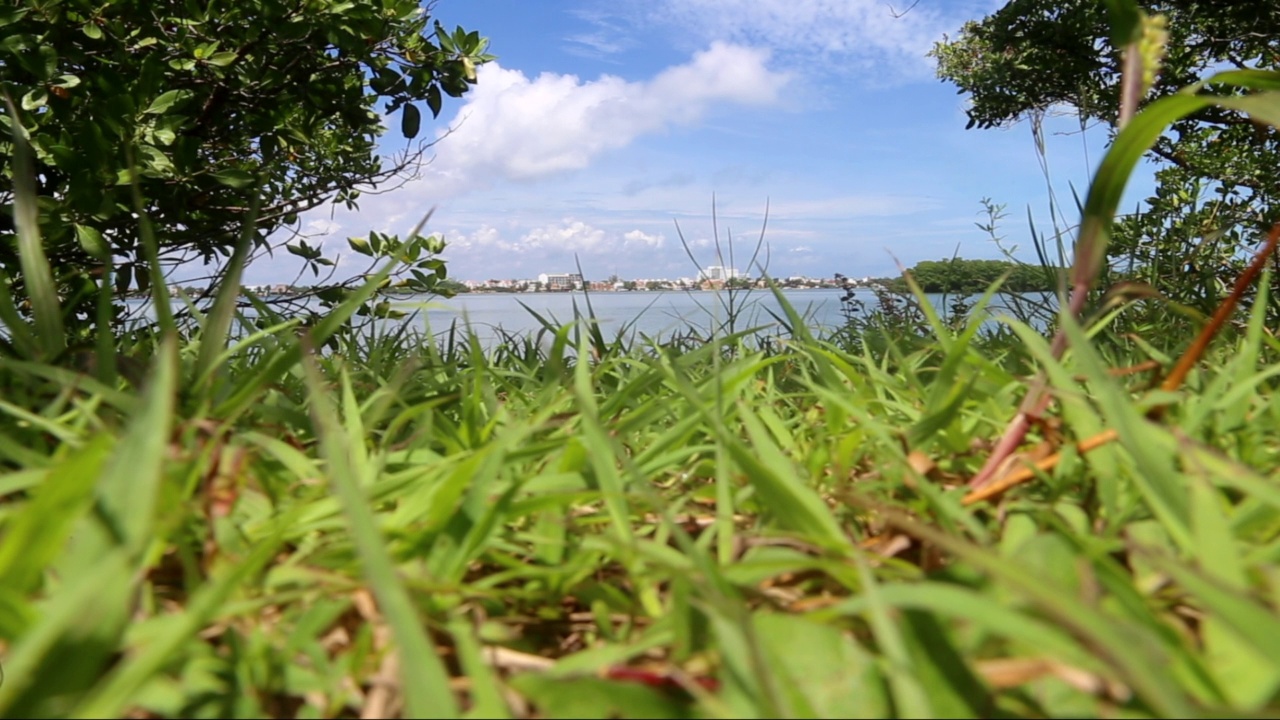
column 36, row 272
column 130, row 484
column 424, row 681
column 213, row 338
column 120, row 689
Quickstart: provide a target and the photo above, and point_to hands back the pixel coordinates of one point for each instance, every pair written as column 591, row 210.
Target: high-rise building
column 718, row 273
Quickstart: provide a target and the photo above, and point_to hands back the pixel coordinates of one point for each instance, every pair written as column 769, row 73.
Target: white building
column 561, row 281
column 720, row 273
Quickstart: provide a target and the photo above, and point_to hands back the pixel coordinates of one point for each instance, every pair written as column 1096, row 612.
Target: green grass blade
column 36, row 272
column 34, row 537
column 130, row 484
column 213, row 338
column 425, row 683
column 21, row 339
column 120, row 689
column 910, row 698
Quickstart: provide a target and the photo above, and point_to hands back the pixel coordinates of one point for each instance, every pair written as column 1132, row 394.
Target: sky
column 609, row 129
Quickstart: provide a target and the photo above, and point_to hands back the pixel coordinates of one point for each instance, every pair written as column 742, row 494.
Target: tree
column 1216, row 182
column 187, row 111
column 957, row 275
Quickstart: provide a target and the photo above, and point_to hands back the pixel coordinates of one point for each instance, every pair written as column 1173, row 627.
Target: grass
column 730, row 529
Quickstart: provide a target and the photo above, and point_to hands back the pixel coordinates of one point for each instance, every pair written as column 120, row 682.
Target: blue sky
column 605, row 122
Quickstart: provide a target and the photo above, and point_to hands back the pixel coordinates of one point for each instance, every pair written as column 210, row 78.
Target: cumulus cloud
column 484, row 237
column 569, row 234
column 639, row 238
column 867, row 34
column 521, row 128
column 565, row 236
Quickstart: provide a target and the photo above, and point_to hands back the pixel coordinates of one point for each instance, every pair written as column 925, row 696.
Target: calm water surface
column 654, row 314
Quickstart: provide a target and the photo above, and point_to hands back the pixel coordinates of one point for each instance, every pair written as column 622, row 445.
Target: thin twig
column 1171, row 383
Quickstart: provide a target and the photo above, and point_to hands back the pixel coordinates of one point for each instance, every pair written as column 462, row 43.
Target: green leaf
column 37, row 98
column 92, row 242
column 11, row 15
column 222, row 59
column 155, row 160
column 953, row 689
column 238, row 179
column 214, row 335
column 92, row 31
column 166, row 100
column 206, row 49
column 410, row 120
column 446, row 42
column 434, row 100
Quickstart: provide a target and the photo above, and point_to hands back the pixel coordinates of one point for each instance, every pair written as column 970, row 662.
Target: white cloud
column 875, row 35
column 801, row 249
column 519, row 128
column 320, row 227
column 484, row 237
column 569, row 234
column 639, row 238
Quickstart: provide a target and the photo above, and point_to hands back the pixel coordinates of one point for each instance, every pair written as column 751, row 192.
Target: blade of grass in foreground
column 36, row 535
column 35, row 264
column 425, row 684
column 130, row 486
column 123, row 686
column 1139, row 663
column 795, row 505
column 58, row 621
column 909, row 697
column 86, row 619
column 612, row 489
column 213, row 338
column 486, row 693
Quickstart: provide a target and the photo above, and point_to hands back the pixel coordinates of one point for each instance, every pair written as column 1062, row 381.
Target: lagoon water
column 654, row 314
column 657, row 315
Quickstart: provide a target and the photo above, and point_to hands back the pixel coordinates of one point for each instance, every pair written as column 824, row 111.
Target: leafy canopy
column 203, row 105
column 1217, row 179
column 958, row 275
